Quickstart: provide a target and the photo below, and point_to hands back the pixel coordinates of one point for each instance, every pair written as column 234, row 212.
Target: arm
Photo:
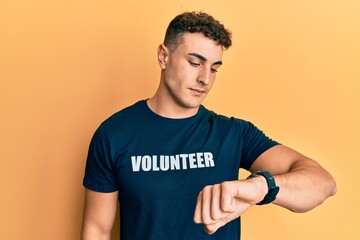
column 303, row 183
column 99, row 215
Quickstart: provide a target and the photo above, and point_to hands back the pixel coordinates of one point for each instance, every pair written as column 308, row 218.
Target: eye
column 215, row 68
column 194, row 64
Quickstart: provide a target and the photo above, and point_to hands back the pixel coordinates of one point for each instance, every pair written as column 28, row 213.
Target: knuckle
column 197, row 220
column 225, row 186
column 226, row 208
column 199, row 195
column 207, row 221
column 207, row 188
column 216, row 215
column 206, row 192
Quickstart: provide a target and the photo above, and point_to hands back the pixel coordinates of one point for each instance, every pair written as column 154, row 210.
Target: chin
column 190, row 103
column 193, row 104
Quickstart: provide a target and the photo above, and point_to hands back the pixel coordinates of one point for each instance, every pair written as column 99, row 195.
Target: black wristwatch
column 272, row 188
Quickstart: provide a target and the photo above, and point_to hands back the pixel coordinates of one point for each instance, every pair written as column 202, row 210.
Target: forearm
column 303, row 184
column 304, row 187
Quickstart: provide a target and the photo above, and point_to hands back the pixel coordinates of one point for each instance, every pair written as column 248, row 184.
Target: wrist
column 262, row 187
column 271, row 189
column 258, row 188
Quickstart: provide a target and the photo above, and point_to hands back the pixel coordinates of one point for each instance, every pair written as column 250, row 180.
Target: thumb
column 211, row 228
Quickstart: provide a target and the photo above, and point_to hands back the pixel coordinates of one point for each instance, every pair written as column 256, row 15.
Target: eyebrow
column 202, row 58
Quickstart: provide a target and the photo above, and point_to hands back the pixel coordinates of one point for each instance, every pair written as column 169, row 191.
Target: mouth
column 198, row 91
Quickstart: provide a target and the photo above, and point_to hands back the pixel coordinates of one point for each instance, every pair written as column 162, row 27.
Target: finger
column 198, row 209
column 206, row 205
column 210, row 228
column 216, row 212
column 206, row 202
column 227, row 197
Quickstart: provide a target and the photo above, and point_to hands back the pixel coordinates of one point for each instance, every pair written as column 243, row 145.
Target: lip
column 198, row 91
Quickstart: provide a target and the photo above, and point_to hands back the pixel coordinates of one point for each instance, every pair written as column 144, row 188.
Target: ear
column 163, row 54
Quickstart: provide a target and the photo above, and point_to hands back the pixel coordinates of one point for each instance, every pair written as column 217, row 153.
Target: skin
column 187, row 75
column 294, row 173
column 99, row 215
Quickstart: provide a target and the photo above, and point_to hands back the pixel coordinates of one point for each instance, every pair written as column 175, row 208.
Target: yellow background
column 67, row 65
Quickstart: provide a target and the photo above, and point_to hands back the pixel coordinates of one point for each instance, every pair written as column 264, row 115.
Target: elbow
column 324, row 188
column 317, row 197
column 329, row 187
column 333, row 187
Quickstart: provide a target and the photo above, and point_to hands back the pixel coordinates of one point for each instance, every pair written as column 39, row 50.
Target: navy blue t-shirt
column 159, row 166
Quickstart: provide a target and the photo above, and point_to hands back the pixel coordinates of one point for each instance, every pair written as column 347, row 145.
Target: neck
column 169, row 109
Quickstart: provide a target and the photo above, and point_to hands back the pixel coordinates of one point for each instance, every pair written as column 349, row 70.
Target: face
column 189, row 71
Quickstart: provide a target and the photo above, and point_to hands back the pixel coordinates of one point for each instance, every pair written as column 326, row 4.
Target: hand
column 221, row 203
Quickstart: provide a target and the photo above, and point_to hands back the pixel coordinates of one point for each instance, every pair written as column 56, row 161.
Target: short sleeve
column 99, row 171
column 255, row 142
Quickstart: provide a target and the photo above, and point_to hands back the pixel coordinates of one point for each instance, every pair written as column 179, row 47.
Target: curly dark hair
column 193, row 22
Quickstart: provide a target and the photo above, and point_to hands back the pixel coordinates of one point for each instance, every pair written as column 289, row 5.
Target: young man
column 173, row 164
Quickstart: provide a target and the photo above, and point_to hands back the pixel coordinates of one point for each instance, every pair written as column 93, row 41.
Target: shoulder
column 125, row 116
column 235, row 126
column 121, row 121
column 227, row 121
column 126, row 113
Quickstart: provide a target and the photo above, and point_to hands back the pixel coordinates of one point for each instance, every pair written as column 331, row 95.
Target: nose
column 204, row 76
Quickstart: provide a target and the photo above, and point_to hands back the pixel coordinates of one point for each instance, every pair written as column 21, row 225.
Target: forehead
column 199, row 43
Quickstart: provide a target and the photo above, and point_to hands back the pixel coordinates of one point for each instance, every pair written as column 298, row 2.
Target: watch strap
column 273, row 190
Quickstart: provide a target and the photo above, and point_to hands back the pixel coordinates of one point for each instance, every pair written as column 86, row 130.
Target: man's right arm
column 99, row 215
